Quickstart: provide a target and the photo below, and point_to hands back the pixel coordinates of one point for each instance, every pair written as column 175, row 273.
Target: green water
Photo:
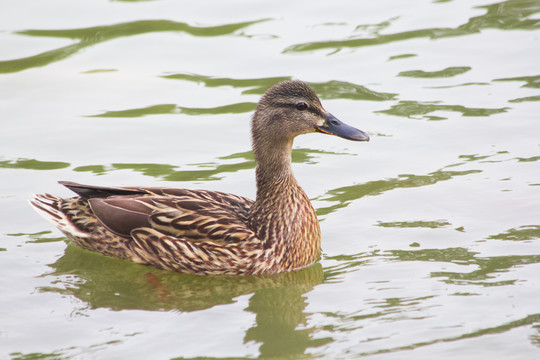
column 431, row 231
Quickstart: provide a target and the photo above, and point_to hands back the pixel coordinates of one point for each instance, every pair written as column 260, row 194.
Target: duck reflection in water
column 278, row 301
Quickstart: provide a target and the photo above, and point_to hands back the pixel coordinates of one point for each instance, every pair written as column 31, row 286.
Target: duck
column 210, row 232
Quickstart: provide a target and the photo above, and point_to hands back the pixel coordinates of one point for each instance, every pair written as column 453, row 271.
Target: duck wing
column 196, row 215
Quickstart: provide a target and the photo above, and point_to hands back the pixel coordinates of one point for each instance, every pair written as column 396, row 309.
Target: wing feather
column 194, row 215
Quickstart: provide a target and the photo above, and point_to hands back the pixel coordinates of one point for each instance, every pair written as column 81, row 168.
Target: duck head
column 292, row 108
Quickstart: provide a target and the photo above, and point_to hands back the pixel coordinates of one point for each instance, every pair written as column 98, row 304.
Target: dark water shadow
column 86, row 37
column 164, row 109
column 486, row 269
column 530, row 81
column 347, row 263
column 434, row 224
column 333, row 89
column 525, row 99
column 343, row 196
column 448, row 72
column 522, row 233
column 278, row 301
column 33, row 164
column 253, row 86
column 210, row 171
column 401, row 56
column 411, row 109
column 204, row 172
column 38, row 356
column 506, row 15
column 38, row 237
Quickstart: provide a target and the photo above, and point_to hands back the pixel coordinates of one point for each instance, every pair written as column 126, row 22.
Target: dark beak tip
column 333, row 126
column 356, row 135
column 362, row 137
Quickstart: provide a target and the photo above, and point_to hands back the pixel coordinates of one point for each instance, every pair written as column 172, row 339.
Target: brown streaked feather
column 215, row 223
column 202, row 257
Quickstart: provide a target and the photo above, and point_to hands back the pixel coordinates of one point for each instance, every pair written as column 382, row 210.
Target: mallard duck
column 210, row 232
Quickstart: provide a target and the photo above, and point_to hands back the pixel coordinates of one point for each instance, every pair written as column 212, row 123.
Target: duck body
column 209, row 232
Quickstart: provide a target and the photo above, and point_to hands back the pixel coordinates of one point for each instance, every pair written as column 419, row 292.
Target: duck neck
column 282, row 216
column 273, row 170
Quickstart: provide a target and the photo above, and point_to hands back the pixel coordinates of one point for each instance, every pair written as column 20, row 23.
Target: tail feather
column 50, row 207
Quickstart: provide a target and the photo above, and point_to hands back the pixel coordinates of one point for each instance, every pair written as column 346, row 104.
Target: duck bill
column 333, row 126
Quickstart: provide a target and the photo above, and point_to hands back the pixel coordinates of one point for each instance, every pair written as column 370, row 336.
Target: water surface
column 431, row 231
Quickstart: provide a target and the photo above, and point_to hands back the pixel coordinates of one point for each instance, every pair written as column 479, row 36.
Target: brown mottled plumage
column 209, row 232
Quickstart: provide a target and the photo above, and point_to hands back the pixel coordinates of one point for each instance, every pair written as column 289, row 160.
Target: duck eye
column 301, row 106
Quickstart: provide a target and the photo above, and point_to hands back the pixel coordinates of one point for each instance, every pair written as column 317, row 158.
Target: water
column 431, row 231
